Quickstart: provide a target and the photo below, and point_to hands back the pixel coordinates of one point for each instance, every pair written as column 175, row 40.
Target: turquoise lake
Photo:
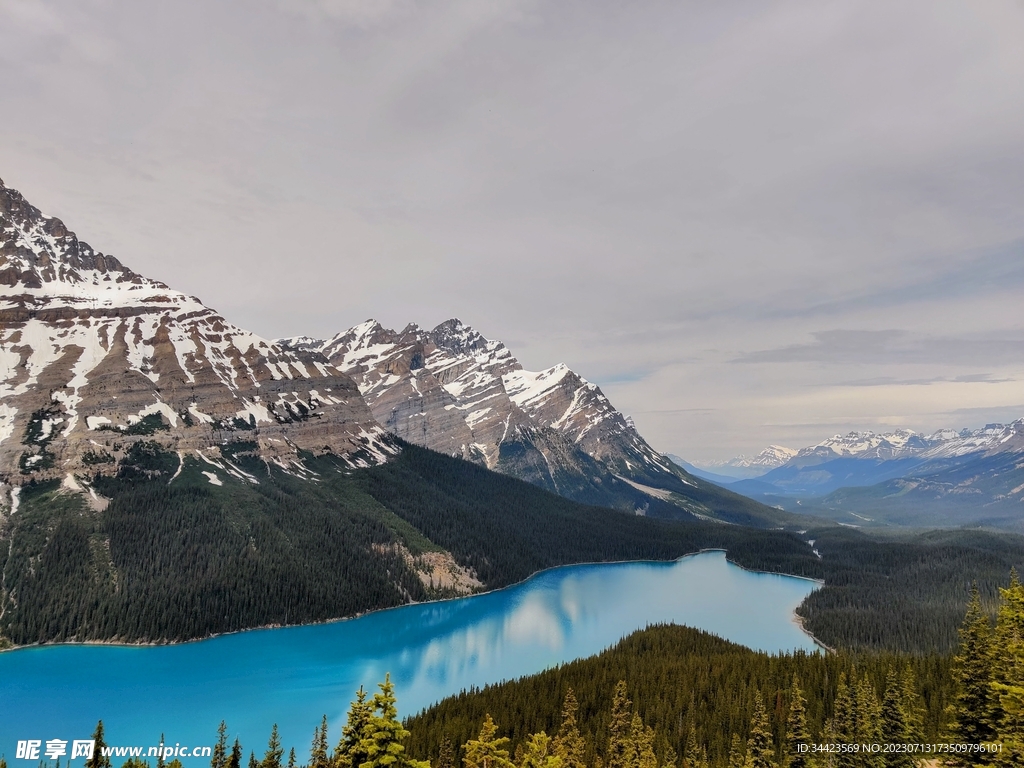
column 293, row 676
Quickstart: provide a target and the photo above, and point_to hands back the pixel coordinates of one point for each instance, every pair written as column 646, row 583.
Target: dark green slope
column 507, row 529
column 678, row 678
column 174, row 557
column 906, row 593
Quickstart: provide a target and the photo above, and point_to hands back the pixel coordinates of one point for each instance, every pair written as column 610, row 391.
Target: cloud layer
column 729, row 215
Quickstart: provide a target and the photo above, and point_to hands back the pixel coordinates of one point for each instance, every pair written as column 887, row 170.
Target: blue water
column 292, row 676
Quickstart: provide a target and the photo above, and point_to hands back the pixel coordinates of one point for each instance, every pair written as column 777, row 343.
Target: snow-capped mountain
column 989, row 440
column 94, row 357
column 741, row 467
column 905, row 443
column 940, row 475
column 887, row 445
column 452, row 390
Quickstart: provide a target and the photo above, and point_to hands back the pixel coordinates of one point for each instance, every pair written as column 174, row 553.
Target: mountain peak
column 457, row 337
column 93, row 350
column 36, row 249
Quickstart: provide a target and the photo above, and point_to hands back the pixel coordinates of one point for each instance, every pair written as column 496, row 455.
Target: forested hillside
column 175, row 555
column 185, row 549
column 696, row 691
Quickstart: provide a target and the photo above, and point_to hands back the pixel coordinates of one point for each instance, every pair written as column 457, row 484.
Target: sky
column 748, row 222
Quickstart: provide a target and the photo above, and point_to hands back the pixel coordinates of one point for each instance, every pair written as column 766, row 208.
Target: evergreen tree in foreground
column 446, row 756
column 569, row 745
column 318, row 749
column 98, row 759
column 1008, row 674
column 618, row 738
column 971, row 709
column 220, row 749
column 760, row 749
column 274, row 753
column 351, row 750
column 487, row 750
column 537, row 753
column 796, row 728
column 384, row 734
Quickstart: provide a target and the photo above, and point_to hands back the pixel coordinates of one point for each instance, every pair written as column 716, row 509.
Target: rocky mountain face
column 452, row 390
column 94, row 357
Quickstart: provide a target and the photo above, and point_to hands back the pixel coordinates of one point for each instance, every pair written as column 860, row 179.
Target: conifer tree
column 844, row 722
column 98, row 759
column 235, row 761
column 350, row 753
column 383, row 742
column 568, row 744
column 220, row 749
column 737, row 759
column 618, row 729
column 912, row 706
column 760, row 749
column 252, row 760
column 1008, row 669
column 893, row 726
column 796, row 728
column 642, row 740
column 690, row 748
column 318, row 749
column 446, row 757
column 537, row 753
column 671, row 759
column 972, row 707
column 3, row 763
column 868, row 726
column 272, row 757
column 291, row 758
column 487, row 750
column 160, row 756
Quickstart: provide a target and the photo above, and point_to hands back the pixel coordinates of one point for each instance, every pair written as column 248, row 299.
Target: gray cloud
column 645, row 192
column 887, row 381
column 894, row 346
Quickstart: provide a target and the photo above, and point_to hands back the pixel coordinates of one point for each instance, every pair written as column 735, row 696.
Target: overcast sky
column 749, row 222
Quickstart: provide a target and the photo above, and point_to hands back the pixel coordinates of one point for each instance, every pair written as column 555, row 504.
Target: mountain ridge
column 94, row 357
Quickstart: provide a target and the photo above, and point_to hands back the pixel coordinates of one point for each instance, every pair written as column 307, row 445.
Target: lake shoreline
column 796, row 618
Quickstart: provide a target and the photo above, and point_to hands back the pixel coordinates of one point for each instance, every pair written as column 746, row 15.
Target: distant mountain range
column 970, row 477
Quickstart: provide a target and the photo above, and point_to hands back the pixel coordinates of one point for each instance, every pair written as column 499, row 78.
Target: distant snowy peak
column 454, row 390
column 888, row 445
column 906, row 443
column 992, row 438
column 93, row 354
column 771, row 457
